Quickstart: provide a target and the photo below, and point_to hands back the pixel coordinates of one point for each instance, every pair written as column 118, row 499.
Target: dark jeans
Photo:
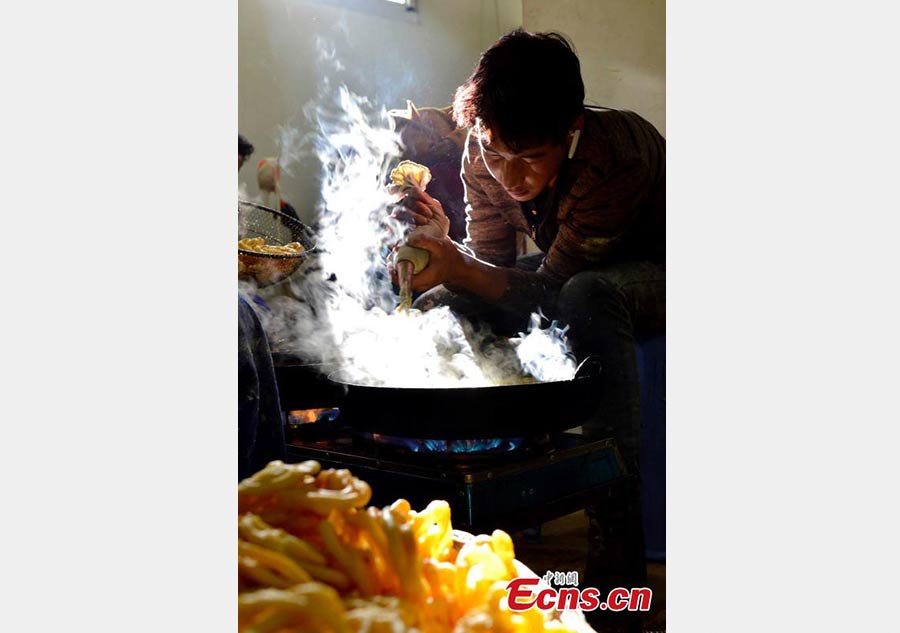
column 608, row 309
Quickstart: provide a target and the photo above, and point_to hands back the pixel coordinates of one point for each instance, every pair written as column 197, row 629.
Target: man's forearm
column 515, row 289
column 485, row 280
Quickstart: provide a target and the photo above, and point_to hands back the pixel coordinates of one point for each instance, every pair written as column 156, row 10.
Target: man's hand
column 426, row 211
column 445, row 262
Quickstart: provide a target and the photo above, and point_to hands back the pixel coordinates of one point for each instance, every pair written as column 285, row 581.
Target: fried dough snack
column 253, row 530
column 258, row 245
column 381, row 614
column 308, row 606
column 281, row 487
column 312, row 557
column 493, row 616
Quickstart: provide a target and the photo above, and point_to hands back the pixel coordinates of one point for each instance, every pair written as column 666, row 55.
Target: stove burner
column 454, row 447
column 310, row 416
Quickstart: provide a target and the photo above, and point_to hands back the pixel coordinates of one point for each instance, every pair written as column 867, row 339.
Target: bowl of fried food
column 271, row 244
column 314, row 555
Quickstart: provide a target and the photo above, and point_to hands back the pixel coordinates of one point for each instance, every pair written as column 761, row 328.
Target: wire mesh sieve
column 276, row 228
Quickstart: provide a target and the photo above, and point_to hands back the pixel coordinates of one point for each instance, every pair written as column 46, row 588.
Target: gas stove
column 511, row 484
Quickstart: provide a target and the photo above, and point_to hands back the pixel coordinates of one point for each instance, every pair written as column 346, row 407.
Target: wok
column 305, row 385
column 472, row 412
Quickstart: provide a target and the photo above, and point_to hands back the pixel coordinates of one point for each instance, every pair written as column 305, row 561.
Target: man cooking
column 589, row 186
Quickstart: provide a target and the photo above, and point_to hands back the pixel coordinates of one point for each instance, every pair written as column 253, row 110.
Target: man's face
column 526, row 173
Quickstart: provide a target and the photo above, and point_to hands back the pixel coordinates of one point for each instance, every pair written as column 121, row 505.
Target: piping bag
column 409, row 260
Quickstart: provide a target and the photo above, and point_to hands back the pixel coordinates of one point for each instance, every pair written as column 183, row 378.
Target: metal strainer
column 256, row 220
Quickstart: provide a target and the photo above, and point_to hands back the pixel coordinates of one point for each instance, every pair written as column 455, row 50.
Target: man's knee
column 476, row 310
column 586, row 293
column 461, row 303
column 437, row 296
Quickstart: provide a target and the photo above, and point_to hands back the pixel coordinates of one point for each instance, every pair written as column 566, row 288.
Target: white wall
column 389, row 56
column 621, row 45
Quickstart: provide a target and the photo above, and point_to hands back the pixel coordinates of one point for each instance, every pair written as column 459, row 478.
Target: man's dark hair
column 244, row 147
column 526, row 89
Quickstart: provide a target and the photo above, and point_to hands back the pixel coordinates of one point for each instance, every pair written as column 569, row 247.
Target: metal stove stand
column 511, row 491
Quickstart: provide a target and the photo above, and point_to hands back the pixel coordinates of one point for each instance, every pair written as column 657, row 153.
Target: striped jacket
column 608, row 205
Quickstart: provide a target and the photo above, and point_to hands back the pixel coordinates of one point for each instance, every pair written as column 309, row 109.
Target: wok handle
column 589, row 368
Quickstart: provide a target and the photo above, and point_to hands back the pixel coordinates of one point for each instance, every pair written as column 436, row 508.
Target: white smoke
column 290, row 148
column 355, row 147
column 544, row 352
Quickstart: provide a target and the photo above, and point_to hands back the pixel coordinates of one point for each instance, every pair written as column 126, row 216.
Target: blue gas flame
column 495, row 445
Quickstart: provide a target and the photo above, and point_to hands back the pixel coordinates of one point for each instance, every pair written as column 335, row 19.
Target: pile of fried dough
column 258, row 245
column 313, row 557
